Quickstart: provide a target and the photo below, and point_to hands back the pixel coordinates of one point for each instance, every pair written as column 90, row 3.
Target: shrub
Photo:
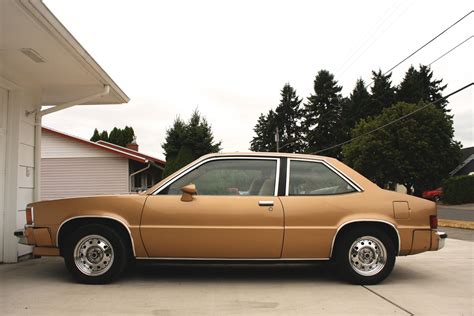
column 457, row 190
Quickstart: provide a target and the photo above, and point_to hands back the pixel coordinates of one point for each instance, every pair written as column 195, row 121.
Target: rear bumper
column 441, row 239
column 437, row 240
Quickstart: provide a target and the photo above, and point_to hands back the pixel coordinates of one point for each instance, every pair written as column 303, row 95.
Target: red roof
column 112, row 148
column 131, row 151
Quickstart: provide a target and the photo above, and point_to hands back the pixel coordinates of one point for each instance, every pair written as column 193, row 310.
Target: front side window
column 229, row 177
column 315, row 178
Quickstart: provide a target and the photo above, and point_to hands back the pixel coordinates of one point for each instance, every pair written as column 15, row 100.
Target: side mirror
column 188, row 192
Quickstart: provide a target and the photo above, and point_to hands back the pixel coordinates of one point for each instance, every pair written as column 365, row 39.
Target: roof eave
column 43, row 15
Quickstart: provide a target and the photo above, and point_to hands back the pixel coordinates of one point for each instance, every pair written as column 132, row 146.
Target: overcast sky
column 230, row 59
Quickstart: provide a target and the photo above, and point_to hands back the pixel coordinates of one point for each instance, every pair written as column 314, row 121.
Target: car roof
column 267, row 154
column 358, row 178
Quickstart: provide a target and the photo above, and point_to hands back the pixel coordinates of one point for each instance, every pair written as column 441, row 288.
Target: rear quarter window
column 315, row 178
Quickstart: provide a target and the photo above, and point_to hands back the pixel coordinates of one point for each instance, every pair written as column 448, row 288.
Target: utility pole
column 277, row 139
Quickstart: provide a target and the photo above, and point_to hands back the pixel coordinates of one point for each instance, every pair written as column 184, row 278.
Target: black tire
column 347, row 257
column 103, row 246
column 436, row 198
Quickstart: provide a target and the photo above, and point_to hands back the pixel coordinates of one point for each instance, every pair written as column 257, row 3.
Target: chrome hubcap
column 93, row 255
column 367, row 256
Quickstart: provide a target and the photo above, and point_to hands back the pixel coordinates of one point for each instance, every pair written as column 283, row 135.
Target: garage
column 43, row 69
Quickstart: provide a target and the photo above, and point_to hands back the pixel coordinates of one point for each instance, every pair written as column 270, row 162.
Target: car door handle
column 265, row 203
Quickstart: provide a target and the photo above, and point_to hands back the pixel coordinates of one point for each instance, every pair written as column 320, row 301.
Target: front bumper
column 40, row 238
column 20, row 233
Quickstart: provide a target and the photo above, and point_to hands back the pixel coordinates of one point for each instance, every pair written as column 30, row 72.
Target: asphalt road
column 431, row 283
column 458, row 233
column 464, row 212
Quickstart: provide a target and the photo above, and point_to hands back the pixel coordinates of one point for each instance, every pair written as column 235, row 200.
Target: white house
column 72, row 166
column 41, row 64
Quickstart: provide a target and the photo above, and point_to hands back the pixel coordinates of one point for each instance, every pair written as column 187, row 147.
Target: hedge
column 457, row 190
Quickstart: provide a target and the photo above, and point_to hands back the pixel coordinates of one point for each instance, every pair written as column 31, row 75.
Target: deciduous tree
column 418, row 151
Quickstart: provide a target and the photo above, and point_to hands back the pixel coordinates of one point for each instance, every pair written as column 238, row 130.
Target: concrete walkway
column 430, row 283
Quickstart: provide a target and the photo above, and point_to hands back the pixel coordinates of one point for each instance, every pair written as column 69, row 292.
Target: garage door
column 72, row 177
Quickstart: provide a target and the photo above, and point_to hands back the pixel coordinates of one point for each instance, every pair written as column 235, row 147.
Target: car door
column 317, row 197
column 235, row 213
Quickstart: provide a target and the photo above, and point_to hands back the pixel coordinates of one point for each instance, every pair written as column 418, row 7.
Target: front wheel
column 95, row 254
column 365, row 256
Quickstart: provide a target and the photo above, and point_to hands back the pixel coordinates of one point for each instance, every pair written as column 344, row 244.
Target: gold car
column 255, row 206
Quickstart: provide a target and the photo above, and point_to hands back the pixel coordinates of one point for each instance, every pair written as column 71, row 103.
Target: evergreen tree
column 288, row 120
column 104, row 136
column 117, row 136
column 383, row 93
column 265, row 128
column 175, row 137
column 360, row 102
column 356, row 107
column 186, row 142
column 322, row 118
column 419, row 85
column 96, row 136
column 114, row 136
column 199, row 136
column 128, row 135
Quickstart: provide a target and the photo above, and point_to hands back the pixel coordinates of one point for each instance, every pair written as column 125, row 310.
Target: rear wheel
column 365, row 256
column 95, row 254
column 436, row 198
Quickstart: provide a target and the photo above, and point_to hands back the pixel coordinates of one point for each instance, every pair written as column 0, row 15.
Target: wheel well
column 385, row 227
column 70, row 226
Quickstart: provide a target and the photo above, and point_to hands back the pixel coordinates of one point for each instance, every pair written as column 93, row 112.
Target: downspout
column 135, row 173
column 39, row 115
column 154, row 164
column 37, row 192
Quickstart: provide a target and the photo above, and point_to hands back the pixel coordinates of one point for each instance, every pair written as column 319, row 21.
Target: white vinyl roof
column 37, row 52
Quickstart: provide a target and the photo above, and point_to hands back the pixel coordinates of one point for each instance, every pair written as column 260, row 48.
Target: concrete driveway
column 430, row 283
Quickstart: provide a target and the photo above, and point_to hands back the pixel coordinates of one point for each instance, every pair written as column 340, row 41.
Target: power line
column 424, row 45
column 398, row 64
column 449, row 51
column 376, row 27
column 394, row 121
column 368, row 44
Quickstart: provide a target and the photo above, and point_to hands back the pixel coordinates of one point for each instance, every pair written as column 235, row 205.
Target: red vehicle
column 434, row 195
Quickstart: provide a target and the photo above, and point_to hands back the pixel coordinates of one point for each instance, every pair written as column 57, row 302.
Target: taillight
column 433, row 221
column 29, row 216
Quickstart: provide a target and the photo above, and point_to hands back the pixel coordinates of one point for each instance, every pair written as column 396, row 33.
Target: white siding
column 54, row 146
column 3, row 150
column 17, row 166
column 82, row 176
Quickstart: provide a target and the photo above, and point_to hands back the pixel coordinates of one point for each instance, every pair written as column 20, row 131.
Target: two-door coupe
column 252, row 206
